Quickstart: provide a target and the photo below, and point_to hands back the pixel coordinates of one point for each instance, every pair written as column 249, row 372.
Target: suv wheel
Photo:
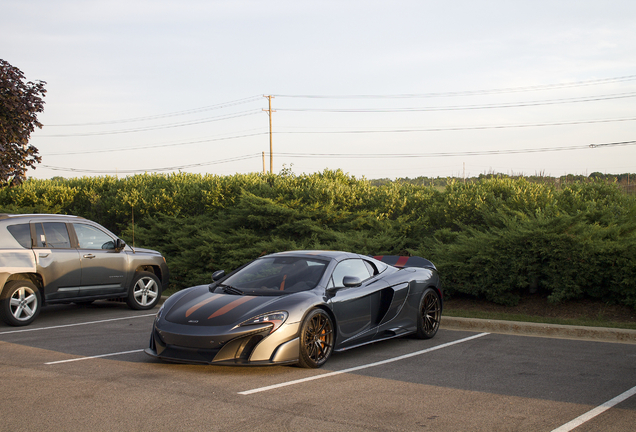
column 20, row 303
column 144, row 292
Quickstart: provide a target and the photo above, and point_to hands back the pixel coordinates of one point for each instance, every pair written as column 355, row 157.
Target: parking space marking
column 76, row 324
column 94, row 357
column 357, row 368
column 596, row 411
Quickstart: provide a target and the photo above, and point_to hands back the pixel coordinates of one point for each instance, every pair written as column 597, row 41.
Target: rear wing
column 405, row 261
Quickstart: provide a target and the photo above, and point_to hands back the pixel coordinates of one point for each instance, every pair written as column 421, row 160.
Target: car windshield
column 277, row 276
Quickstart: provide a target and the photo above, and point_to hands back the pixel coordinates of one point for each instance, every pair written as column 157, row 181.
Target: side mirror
column 217, row 275
column 119, row 244
column 351, row 281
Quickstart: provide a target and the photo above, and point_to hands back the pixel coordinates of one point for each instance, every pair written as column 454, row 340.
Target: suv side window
column 22, row 233
column 52, row 235
column 90, row 237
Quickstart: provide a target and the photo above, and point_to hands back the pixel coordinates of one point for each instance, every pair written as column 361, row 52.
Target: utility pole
column 271, row 149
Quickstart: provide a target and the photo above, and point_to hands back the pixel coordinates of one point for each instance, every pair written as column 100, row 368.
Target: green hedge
column 496, row 238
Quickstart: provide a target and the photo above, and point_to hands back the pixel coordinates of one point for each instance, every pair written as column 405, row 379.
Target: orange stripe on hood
column 201, row 304
column 228, row 307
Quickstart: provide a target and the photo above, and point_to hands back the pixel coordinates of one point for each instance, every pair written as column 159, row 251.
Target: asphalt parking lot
column 83, row 368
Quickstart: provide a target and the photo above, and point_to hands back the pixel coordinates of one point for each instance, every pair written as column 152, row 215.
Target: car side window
column 350, row 267
column 52, row 235
column 90, row 237
column 22, row 233
column 372, row 270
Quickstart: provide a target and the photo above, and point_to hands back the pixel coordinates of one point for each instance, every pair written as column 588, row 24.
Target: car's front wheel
column 429, row 314
column 20, row 303
column 316, row 339
column 144, row 292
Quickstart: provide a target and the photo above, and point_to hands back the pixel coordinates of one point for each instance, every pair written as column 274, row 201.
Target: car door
column 103, row 266
column 57, row 261
column 355, row 307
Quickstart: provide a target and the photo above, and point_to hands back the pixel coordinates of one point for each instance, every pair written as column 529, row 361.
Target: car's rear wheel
column 20, row 303
column 144, row 292
column 316, row 339
column 429, row 314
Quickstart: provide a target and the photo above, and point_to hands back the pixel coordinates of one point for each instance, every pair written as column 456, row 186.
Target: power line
column 150, row 128
column 459, row 128
column 156, row 146
column 366, row 155
column 466, row 107
column 172, row 168
column 625, row 78
column 160, row 116
column 352, row 155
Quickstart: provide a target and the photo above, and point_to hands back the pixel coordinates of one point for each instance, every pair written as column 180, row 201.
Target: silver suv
column 47, row 259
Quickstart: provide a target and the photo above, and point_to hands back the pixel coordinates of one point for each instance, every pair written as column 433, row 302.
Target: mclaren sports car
column 298, row 307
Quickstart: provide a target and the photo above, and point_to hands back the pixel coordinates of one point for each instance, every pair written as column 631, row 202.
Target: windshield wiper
column 231, row 290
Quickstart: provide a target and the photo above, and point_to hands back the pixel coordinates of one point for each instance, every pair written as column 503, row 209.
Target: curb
column 541, row 330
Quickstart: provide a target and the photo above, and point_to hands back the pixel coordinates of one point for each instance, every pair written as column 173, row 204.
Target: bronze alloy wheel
column 430, row 313
column 316, row 339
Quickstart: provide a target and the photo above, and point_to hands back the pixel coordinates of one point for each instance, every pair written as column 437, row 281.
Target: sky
column 379, row 89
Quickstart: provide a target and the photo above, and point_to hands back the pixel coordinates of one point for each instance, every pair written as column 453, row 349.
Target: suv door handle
column 89, row 256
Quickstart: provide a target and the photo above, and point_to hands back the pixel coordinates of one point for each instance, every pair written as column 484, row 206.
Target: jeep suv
column 48, row 259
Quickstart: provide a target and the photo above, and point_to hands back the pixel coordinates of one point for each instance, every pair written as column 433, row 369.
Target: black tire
column 144, row 292
column 429, row 314
column 21, row 303
column 316, row 339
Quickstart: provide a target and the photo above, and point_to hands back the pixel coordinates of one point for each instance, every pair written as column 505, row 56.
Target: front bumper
column 253, row 345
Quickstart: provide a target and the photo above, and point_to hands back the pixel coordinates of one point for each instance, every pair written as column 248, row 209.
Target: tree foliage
column 20, row 102
column 498, row 238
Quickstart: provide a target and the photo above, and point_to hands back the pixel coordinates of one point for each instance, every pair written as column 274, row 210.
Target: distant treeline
column 626, row 180
column 494, row 237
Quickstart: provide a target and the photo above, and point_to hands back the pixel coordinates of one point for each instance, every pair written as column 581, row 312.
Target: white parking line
column 353, row 369
column 93, row 357
column 76, row 324
column 596, row 411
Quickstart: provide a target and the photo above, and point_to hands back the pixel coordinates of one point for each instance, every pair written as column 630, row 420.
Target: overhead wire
column 171, row 168
column 465, row 107
column 367, row 155
column 158, row 127
column 625, row 78
column 160, row 116
column 459, row 128
column 410, row 130
column 177, row 144
column 359, row 131
column 352, row 155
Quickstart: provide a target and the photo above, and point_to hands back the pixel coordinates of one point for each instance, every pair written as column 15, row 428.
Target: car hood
column 139, row 250
column 199, row 306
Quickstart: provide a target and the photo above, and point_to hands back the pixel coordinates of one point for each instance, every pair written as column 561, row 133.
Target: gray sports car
column 298, row 307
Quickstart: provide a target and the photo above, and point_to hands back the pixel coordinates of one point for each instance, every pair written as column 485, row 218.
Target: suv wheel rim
column 23, row 303
column 146, row 291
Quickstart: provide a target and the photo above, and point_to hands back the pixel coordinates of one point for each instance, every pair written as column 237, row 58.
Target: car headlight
column 275, row 318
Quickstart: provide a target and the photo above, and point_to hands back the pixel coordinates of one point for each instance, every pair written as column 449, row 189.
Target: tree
column 20, row 102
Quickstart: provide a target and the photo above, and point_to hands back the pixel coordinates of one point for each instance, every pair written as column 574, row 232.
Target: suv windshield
column 277, row 276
